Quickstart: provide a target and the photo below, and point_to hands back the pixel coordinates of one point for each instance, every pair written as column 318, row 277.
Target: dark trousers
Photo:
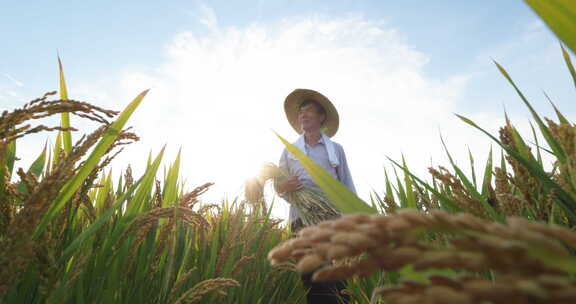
column 326, row 292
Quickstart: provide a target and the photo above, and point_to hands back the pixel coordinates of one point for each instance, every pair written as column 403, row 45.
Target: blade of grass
column 448, row 204
column 57, row 149
column 503, row 161
column 91, row 162
column 11, row 157
column 471, row 188
column 560, row 16
column 487, row 179
column 569, row 64
column 171, row 183
column 410, row 196
column 400, row 191
column 376, row 201
column 538, row 153
column 561, row 117
column 7, row 159
column 472, row 170
column 36, row 168
column 65, row 116
column 563, row 198
column 143, row 193
column 102, row 192
column 558, row 151
column 100, row 221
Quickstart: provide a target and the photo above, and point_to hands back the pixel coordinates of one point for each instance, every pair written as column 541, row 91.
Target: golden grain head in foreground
column 525, row 257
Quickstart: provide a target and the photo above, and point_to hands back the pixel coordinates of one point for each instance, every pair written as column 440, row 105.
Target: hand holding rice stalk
column 313, row 205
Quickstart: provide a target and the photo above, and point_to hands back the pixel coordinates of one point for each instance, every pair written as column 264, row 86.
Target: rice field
column 69, row 233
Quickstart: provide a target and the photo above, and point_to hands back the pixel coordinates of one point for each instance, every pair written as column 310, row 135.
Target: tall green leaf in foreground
column 342, row 198
column 105, row 142
column 560, row 16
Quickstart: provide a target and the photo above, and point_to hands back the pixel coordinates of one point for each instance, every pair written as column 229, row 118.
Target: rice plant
column 506, row 237
column 69, row 233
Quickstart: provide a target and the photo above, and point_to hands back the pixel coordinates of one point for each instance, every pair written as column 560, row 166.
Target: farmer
column 313, row 116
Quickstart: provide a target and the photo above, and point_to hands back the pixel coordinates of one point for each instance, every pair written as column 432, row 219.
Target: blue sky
column 397, row 71
column 100, row 36
column 96, row 38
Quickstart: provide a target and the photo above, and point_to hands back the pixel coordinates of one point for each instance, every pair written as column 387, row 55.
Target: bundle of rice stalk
column 313, row 205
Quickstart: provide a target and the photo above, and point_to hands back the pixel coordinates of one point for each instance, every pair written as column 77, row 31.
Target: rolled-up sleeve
column 343, row 171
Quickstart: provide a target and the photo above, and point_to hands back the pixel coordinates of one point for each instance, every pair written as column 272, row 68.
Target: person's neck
column 312, row 137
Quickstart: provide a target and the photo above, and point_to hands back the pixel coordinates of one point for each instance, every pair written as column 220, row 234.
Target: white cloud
column 13, row 80
column 218, row 96
column 9, row 87
column 207, row 17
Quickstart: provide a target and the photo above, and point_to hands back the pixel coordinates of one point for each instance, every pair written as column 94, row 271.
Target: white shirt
column 319, row 155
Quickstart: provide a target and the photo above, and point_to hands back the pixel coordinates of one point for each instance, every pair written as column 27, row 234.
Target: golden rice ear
column 253, row 190
column 268, row 171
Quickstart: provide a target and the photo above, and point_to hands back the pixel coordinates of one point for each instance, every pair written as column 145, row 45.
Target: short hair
column 319, row 108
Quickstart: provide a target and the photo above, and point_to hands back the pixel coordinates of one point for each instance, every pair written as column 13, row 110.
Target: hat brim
column 293, row 101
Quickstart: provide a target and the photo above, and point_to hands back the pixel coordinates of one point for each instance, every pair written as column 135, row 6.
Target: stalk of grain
column 313, row 205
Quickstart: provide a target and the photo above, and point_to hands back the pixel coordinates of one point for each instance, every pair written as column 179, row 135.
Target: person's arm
column 344, row 172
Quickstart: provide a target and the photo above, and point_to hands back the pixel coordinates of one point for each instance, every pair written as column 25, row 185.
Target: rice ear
column 253, row 190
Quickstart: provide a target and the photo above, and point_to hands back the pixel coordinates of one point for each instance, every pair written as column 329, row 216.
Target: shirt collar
column 320, row 141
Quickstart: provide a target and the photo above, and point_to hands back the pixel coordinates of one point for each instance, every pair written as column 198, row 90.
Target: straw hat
column 293, row 101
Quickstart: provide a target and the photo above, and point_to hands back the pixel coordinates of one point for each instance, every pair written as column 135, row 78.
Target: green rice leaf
column 36, row 168
column 447, row 203
column 100, row 221
column 91, row 162
column 564, row 199
column 171, row 183
column 11, row 157
column 556, row 147
column 65, row 117
column 5, row 156
column 471, row 189
column 560, row 17
column 410, row 196
column 400, row 191
column 538, row 154
column 487, row 179
column 57, row 149
column 137, row 202
column 503, row 161
column 102, row 192
column 520, row 144
column 472, row 170
column 7, row 159
column 376, row 199
column 561, row 117
column 569, row 63
column 342, row 198
column 119, row 187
